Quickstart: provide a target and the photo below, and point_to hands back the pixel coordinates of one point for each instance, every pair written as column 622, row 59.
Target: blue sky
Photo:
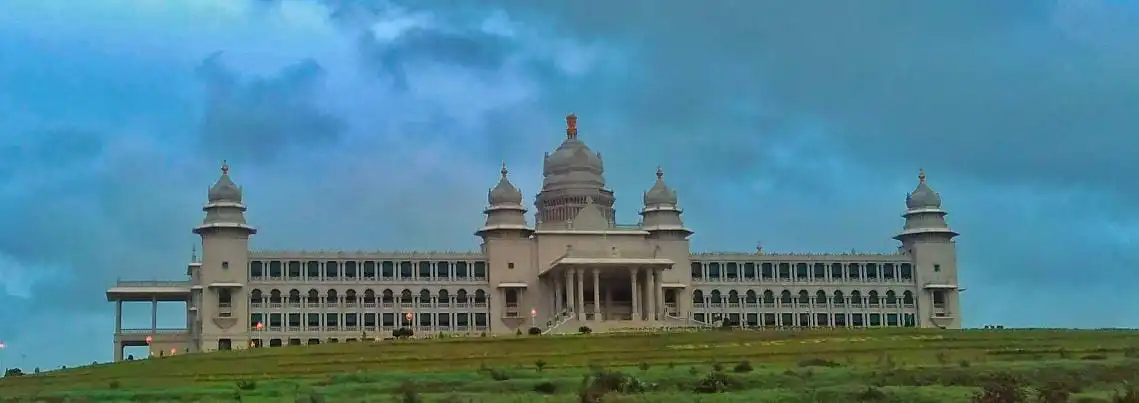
column 380, row 125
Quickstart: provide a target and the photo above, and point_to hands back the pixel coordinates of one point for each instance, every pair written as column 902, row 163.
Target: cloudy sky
column 798, row 124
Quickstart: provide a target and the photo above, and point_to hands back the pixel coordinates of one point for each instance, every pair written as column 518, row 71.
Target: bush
column 407, row 392
column 518, row 332
column 716, row 382
column 818, row 362
column 1002, row 388
column 540, row 365
column 246, row 384
column 643, row 366
column 546, row 388
column 743, row 366
column 13, row 372
column 403, row 333
column 535, row 331
column 584, row 330
column 498, row 374
column 114, row 384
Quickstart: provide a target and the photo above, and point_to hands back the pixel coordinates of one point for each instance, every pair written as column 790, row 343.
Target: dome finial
column 660, row 172
column 503, row 170
column 571, row 126
column 224, row 167
column 921, row 175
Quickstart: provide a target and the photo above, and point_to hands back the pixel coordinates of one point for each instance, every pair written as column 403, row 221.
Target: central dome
column 573, row 163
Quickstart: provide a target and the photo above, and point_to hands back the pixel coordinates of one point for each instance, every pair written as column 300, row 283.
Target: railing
column 153, row 283
column 154, row 331
column 379, row 280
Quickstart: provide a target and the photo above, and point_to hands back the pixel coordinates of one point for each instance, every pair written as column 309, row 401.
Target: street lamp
column 149, row 340
column 260, row 333
column 533, row 316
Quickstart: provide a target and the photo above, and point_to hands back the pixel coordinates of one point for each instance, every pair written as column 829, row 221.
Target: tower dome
column 923, row 196
column 504, row 192
column 573, row 163
column 660, row 193
column 224, row 190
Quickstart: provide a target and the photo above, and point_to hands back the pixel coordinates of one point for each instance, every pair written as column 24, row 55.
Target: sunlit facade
column 573, row 267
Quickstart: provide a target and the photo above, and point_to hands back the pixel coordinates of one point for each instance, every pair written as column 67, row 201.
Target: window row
column 856, row 298
column 368, row 299
column 802, row 271
column 810, row 320
column 365, row 270
column 368, row 321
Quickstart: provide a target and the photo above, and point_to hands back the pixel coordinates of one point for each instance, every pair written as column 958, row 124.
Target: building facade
column 575, row 266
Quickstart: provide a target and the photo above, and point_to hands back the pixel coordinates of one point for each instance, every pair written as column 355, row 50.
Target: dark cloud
column 258, row 118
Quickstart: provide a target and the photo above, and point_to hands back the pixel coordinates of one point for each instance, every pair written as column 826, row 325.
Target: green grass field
column 841, row 366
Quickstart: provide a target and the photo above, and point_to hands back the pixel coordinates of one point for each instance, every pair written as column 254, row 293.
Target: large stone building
column 575, row 266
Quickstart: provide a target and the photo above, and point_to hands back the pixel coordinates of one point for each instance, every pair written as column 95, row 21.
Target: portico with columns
column 606, row 290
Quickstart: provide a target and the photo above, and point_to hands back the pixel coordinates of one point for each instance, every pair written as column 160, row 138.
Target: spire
column 194, row 254
column 923, row 196
column 660, row 193
column 224, row 190
column 503, row 171
column 571, row 126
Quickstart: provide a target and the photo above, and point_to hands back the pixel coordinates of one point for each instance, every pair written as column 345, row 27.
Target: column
column 118, row 320
column 556, row 285
column 118, row 351
column 650, row 294
column 635, row 294
column 658, row 290
column 597, row 295
column 153, row 314
column 569, row 290
column 609, row 300
column 580, row 274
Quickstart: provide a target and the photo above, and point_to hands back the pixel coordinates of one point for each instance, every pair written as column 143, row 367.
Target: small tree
column 584, row 330
column 535, row 331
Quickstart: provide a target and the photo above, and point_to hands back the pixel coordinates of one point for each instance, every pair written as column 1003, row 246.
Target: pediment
column 590, row 218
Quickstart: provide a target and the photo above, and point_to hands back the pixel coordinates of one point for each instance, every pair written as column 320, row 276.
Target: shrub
column 743, row 366
column 408, row 392
column 1053, row 392
column 716, row 382
column 13, row 372
column 535, row 331
column 403, row 333
column 818, row 362
column 546, row 388
column 1130, row 394
column 518, row 332
column 1002, row 388
column 539, row 365
column 584, row 330
column 643, row 366
column 114, row 384
column 246, row 384
column 717, row 367
column 498, row 374
column 1094, row 357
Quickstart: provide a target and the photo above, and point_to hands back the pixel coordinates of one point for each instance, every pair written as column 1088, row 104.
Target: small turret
column 224, row 209
column 661, row 214
column 928, row 242
column 505, row 214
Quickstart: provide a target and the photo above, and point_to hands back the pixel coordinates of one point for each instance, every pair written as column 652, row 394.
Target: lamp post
column 533, row 316
column 260, row 333
column 149, row 339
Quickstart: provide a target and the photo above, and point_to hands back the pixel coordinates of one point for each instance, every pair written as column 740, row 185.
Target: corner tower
column 509, row 253
column 927, row 239
column 661, row 215
column 223, row 313
column 572, row 175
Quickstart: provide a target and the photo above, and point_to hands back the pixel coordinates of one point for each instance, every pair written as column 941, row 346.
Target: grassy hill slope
column 811, row 366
